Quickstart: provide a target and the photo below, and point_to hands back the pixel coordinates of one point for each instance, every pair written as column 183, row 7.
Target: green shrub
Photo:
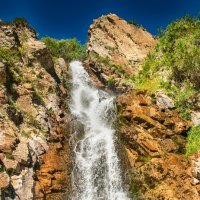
column 32, row 121
column 2, row 23
column 184, row 99
column 193, row 144
column 176, row 53
column 9, row 155
column 26, row 134
column 173, row 64
column 20, row 21
column 37, row 97
column 70, row 49
column 149, row 85
column 10, row 56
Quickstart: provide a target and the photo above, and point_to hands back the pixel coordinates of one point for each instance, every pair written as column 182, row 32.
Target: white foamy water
column 96, row 174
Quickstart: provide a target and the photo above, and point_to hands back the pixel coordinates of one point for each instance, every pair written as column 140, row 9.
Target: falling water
column 96, row 174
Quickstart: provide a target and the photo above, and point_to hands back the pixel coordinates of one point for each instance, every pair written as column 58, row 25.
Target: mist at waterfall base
column 96, row 174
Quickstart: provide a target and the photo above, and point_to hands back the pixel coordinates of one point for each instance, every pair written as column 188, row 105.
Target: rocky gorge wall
column 35, row 155
column 34, row 149
column 151, row 130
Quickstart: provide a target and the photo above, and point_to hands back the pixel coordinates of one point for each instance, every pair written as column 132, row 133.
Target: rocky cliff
column 151, row 129
column 34, row 152
column 35, row 155
column 116, row 50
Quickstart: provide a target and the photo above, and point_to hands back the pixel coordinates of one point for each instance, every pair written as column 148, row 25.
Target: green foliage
column 109, row 64
column 37, row 97
column 111, row 81
column 32, row 121
column 134, row 189
column 26, row 134
column 193, row 144
column 177, row 52
column 144, row 159
column 23, row 37
column 126, row 79
column 10, row 56
column 173, row 64
column 12, row 103
column 17, row 21
column 20, row 21
column 149, row 85
column 70, row 49
column 133, row 22
column 9, row 155
column 184, row 99
column 2, row 23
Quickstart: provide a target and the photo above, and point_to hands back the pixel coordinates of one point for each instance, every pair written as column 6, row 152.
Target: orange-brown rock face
column 34, row 150
column 53, row 175
column 150, row 129
column 154, row 139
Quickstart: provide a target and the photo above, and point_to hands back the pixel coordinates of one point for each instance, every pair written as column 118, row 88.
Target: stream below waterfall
column 96, row 173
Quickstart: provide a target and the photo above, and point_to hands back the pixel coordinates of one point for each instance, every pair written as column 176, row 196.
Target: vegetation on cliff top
column 17, row 21
column 174, row 66
column 69, row 49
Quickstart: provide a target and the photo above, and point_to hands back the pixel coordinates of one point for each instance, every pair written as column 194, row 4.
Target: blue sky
column 67, row 19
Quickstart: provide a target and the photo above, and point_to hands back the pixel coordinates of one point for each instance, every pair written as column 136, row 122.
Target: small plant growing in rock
column 129, row 35
column 193, row 144
column 37, row 98
column 23, row 36
column 9, row 155
column 32, row 121
column 20, row 21
column 26, row 134
column 9, row 56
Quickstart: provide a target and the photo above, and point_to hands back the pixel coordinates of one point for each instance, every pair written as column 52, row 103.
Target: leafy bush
column 10, row 56
column 148, row 85
column 193, row 144
column 69, row 49
column 174, row 63
column 177, row 51
column 20, row 21
column 184, row 99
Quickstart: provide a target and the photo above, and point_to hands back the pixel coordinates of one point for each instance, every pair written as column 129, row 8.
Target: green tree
column 69, row 49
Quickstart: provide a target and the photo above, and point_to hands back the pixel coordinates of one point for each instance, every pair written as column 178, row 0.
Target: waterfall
column 96, row 174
